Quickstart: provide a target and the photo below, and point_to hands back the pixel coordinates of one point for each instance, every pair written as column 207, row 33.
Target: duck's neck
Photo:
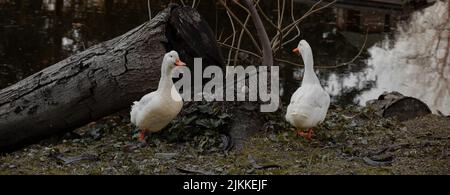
column 309, row 76
column 166, row 82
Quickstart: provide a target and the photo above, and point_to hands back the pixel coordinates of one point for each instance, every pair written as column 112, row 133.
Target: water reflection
column 416, row 62
column 37, row 33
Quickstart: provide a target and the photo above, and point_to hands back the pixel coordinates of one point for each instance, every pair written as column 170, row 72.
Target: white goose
column 309, row 104
column 156, row 110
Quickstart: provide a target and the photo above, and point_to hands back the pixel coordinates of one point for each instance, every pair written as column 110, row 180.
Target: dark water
column 35, row 34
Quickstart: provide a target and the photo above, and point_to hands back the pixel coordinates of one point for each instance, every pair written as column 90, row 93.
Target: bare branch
column 338, row 65
column 296, row 27
column 291, row 27
column 262, row 34
column 360, row 51
column 149, row 10
column 288, row 29
column 240, row 40
column 242, row 50
column 276, row 37
column 182, row 2
column 242, row 25
column 234, row 37
column 265, row 16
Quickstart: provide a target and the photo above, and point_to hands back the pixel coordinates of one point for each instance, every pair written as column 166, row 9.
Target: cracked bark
column 100, row 81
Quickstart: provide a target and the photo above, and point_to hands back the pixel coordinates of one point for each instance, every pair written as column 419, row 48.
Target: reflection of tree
column 346, row 86
column 443, row 43
column 417, row 63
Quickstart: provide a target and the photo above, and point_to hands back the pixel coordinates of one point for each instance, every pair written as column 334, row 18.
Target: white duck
column 157, row 109
column 309, row 104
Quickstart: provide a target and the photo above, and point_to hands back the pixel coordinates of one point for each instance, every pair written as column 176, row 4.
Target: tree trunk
column 247, row 119
column 262, row 34
column 102, row 80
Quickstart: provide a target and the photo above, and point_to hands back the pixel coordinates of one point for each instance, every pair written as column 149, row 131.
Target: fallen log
column 102, row 80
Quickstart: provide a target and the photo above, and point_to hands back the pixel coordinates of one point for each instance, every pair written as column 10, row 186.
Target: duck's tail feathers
column 133, row 113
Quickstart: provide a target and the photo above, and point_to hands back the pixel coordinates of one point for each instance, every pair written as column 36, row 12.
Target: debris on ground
column 352, row 140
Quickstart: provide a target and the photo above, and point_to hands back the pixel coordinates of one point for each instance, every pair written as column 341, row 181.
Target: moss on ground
column 351, row 141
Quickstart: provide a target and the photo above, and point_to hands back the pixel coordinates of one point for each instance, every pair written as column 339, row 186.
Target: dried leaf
column 71, row 160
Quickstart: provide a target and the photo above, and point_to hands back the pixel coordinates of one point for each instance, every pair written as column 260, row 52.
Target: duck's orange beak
column 180, row 63
column 296, row 51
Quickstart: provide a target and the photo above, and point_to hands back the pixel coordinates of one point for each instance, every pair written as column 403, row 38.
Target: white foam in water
column 414, row 62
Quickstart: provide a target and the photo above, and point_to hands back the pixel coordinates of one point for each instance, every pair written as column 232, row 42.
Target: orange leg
column 307, row 135
column 141, row 136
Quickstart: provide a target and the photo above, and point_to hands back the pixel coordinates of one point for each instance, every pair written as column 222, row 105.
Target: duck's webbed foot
column 141, row 137
column 307, row 135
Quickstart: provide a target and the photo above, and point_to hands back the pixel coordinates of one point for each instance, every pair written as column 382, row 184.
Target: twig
column 310, row 12
column 216, row 23
column 280, row 24
column 360, row 51
column 336, row 66
column 149, row 10
column 292, row 26
column 262, row 34
column 242, row 31
column 275, row 38
column 242, row 25
column 228, row 38
column 242, row 50
column 220, row 36
column 265, row 16
column 234, row 37
column 296, row 26
column 270, row 22
column 182, row 2
column 240, row 41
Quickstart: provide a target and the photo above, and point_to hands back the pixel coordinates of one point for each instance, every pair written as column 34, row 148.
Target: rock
column 396, row 105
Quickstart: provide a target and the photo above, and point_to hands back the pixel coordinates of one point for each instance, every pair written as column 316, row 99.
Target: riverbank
column 351, row 141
